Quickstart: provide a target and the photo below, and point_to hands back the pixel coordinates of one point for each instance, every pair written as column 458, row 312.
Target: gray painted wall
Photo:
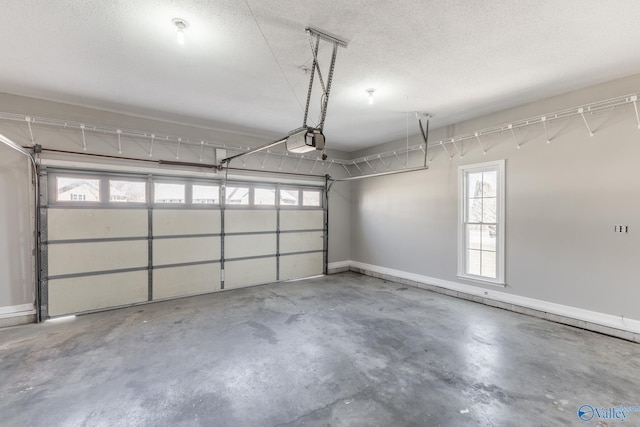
column 16, row 264
column 16, row 282
column 340, row 223
column 562, row 201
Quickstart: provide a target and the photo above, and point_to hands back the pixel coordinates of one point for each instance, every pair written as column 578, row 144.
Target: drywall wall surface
column 562, row 202
column 16, row 231
column 340, row 222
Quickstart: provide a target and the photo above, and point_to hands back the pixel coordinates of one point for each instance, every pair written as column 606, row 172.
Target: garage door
column 112, row 240
column 272, row 233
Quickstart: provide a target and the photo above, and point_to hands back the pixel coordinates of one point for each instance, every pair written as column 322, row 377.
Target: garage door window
column 206, row 194
column 289, row 197
column 264, row 196
column 310, row 198
column 169, row 193
column 237, row 196
column 127, row 191
column 71, row 189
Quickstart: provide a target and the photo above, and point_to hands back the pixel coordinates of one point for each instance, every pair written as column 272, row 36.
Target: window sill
column 482, row 281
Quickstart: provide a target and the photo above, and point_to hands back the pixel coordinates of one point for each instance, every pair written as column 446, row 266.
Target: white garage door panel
column 171, row 222
column 95, row 292
column 240, row 221
column 249, row 272
column 189, row 249
column 187, row 280
column 301, row 242
column 68, row 224
column 250, row 245
column 301, row 220
column 295, row 266
column 69, row 258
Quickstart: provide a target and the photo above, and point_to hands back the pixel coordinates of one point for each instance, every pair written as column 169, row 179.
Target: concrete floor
column 343, row 350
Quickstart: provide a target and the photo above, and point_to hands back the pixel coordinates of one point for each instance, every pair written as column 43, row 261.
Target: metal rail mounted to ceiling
column 361, row 166
column 314, row 35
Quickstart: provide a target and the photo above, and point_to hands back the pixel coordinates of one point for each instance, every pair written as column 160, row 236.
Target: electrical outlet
column 620, row 228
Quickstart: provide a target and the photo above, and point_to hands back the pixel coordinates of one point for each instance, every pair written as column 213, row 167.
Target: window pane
column 474, row 210
column 488, row 264
column 168, row 193
column 77, row 189
column 474, row 237
column 488, row 238
column 474, row 185
column 237, row 196
column 205, row 194
column 473, row 262
column 289, row 197
column 127, row 191
column 489, row 210
column 310, row 198
column 264, row 196
column 490, row 184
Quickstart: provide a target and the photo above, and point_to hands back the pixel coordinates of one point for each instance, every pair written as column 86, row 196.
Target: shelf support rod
column 515, row 139
column 581, row 111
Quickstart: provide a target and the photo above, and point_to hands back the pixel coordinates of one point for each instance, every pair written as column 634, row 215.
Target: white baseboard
column 17, row 310
column 556, row 312
column 339, row 265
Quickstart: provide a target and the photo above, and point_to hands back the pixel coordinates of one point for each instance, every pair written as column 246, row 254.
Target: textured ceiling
column 454, row 59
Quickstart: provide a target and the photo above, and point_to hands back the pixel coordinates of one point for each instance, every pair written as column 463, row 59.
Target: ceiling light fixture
column 181, row 25
column 370, row 92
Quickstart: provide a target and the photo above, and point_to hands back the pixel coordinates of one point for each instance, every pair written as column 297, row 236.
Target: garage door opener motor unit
column 307, row 138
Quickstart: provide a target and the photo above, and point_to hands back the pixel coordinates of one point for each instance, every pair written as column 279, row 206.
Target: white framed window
column 264, row 196
column 289, row 197
column 237, row 195
column 165, row 192
column 127, row 191
column 77, row 189
column 481, row 210
column 311, row 198
column 205, row 194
